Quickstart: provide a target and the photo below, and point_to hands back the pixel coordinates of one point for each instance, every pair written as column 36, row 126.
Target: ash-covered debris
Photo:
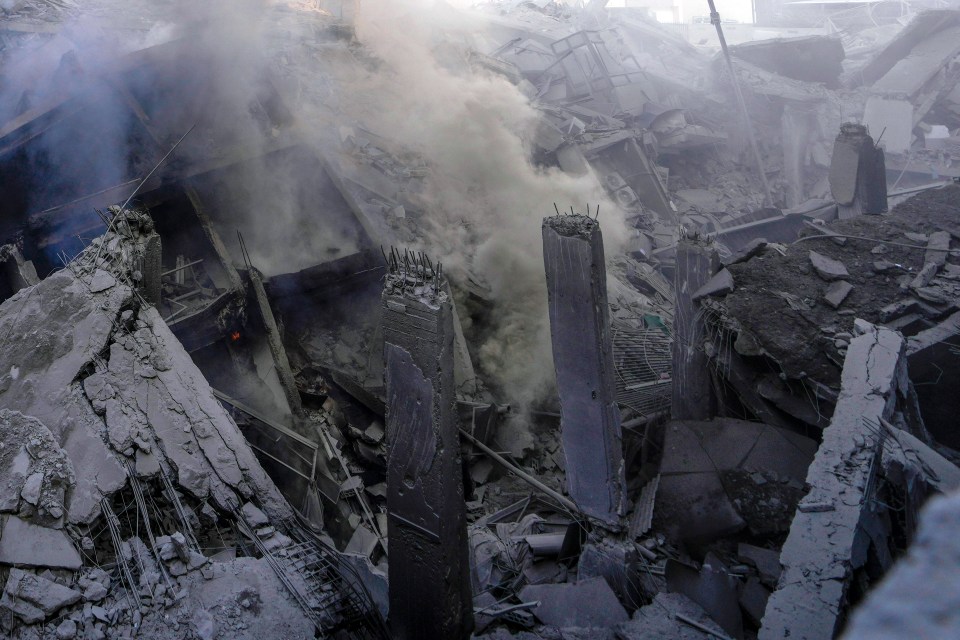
column 117, row 454
column 233, row 413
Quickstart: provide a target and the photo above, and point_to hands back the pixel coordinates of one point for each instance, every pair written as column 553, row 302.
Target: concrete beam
column 836, row 522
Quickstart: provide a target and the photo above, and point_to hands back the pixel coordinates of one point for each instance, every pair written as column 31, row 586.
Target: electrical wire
column 877, row 240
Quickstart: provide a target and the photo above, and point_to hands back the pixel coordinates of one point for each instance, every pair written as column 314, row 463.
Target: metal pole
column 526, row 477
column 715, row 19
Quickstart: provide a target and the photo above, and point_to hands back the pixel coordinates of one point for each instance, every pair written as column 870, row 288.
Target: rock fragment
column 33, row 598
column 828, row 268
column 837, row 292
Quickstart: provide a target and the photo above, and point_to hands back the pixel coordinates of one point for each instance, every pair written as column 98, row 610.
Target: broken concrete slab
column 829, row 536
column 33, row 598
column 587, row 603
column 766, row 562
column 101, row 281
column 712, row 587
column 695, row 507
column 837, row 292
column 720, row 475
column 814, row 58
column 938, row 248
column 25, row 544
column 753, row 600
column 615, row 563
column 172, row 414
column 719, row 285
column 828, row 268
column 666, row 617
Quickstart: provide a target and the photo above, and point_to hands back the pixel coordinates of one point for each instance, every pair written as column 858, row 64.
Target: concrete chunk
column 837, row 292
column 937, row 247
column 719, row 285
column 24, row 543
column 588, row 603
column 828, row 268
column 753, row 600
column 34, row 598
column 254, row 517
column 31, row 488
column 766, row 561
column 712, row 588
column 102, row 281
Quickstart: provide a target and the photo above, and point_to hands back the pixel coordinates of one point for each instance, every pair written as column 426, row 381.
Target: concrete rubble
column 283, row 354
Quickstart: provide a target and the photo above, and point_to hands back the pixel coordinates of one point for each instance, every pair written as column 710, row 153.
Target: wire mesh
column 642, row 363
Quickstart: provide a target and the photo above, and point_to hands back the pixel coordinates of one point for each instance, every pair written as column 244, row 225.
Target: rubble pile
column 141, row 456
column 286, row 357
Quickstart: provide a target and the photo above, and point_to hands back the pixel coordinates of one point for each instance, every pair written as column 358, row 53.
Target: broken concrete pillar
column 429, row 570
column 583, row 358
column 275, row 342
column 838, row 521
column 692, row 388
column 858, row 176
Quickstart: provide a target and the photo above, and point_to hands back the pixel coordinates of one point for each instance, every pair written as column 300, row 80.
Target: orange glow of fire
column 235, row 336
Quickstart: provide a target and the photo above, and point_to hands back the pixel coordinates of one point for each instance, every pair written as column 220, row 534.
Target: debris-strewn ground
column 201, row 435
column 779, row 297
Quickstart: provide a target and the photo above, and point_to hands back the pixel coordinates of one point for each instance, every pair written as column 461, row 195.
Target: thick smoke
column 486, row 200
column 483, row 200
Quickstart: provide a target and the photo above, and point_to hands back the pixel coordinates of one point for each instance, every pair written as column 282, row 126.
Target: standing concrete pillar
column 692, row 388
column 429, row 570
column 583, row 358
column 858, row 175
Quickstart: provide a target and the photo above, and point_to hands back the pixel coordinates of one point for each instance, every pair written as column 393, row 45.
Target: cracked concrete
column 829, row 538
column 109, row 380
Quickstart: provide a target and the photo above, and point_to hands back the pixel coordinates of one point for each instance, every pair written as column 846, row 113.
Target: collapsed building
column 533, row 320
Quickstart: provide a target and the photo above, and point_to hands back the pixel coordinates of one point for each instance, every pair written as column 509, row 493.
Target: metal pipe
column 523, row 475
column 715, row 19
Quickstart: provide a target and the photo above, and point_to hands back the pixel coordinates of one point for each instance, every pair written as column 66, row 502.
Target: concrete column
column 274, row 341
column 692, row 390
column 858, row 176
column 583, row 358
column 429, row 570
